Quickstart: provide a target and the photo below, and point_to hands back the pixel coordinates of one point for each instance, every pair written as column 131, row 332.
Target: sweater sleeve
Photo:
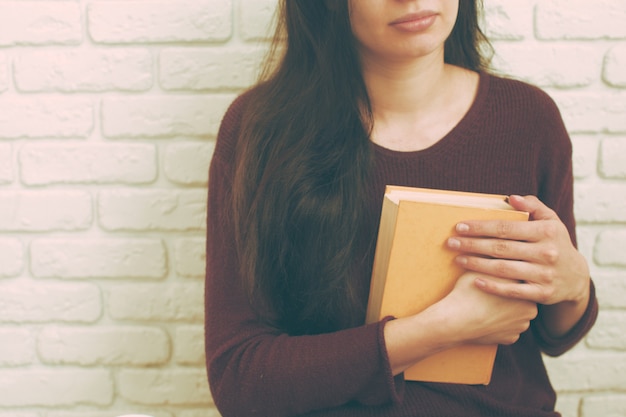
column 557, row 193
column 257, row 370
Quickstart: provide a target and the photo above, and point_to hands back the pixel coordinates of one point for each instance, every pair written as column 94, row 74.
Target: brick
column 98, row 258
column 508, row 20
column 189, row 345
column 207, row 412
column 128, row 411
column 163, row 302
column 568, row 405
column 609, row 405
column 103, row 345
column 15, row 414
column 609, row 248
column 612, row 158
column 164, row 116
column 40, row 23
column 608, row 332
column 587, row 371
column 614, row 70
column 24, row 301
column 49, row 163
column 45, row 117
column 83, row 70
column 592, row 112
column 65, row 210
column 160, row 21
column 6, row 163
column 190, row 257
column 4, row 72
column 181, row 210
column 209, row 69
column 585, row 155
column 611, row 289
column 255, row 19
column 17, row 347
column 574, row 19
column 11, row 257
column 188, row 163
column 549, row 65
column 164, row 387
column 600, row 203
column 57, row 387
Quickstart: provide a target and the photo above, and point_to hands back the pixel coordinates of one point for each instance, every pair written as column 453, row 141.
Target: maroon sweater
column 512, row 141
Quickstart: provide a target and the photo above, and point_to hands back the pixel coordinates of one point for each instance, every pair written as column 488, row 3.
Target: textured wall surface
column 108, row 115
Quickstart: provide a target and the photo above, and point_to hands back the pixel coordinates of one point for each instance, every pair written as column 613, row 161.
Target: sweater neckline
column 460, row 131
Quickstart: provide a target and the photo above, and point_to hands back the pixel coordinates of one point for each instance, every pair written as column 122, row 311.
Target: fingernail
column 454, row 243
column 461, row 260
column 462, row 227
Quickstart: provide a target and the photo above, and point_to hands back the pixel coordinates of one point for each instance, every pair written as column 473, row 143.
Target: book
column 414, row 269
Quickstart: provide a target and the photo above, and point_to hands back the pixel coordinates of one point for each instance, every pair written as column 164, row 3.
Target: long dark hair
column 303, row 158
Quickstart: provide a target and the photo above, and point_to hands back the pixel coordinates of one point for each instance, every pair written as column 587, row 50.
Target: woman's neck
column 416, row 103
column 404, row 87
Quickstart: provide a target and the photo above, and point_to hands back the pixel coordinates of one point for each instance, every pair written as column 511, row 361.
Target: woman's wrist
column 410, row 339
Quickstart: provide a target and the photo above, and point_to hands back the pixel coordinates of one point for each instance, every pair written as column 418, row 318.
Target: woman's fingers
column 489, row 318
column 536, row 258
column 534, row 206
column 516, row 289
column 545, row 253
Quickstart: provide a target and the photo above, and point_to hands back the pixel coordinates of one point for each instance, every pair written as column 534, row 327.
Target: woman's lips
column 415, row 22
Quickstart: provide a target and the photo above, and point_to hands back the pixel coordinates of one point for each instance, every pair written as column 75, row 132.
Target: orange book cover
column 413, row 269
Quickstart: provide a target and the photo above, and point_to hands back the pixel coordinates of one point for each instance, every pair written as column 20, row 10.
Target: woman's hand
column 465, row 315
column 511, row 267
column 483, row 318
column 537, row 257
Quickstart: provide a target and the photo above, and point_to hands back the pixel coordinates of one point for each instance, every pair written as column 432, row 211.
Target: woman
column 369, row 93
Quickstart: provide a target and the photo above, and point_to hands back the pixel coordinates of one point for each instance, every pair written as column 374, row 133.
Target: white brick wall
column 577, row 54
column 108, row 115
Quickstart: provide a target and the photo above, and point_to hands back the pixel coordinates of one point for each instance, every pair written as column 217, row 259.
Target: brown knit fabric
column 512, row 141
